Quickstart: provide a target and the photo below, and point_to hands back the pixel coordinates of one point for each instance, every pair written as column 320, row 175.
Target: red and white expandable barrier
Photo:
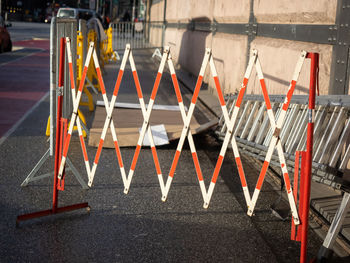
column 275, row 141
column 146, row 125
column 109, row 110
column 229, row 137
column 72, row 81
column 75, row 111
column 189, row 137
column 146, row 114
column 186, row 129
column 186, row 133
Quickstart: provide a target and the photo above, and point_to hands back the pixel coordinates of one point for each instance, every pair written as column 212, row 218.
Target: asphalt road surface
column 27, row 31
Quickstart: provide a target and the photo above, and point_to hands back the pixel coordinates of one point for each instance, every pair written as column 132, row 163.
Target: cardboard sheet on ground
column 128, row 122
column 160, row 136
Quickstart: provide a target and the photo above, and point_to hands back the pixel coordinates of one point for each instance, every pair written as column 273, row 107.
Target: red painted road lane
column 43, row 44
column 23, row 82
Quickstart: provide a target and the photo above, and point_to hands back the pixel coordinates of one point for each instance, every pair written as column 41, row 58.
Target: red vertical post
column 295, row 190
column 308, row 164
column 301, row 192
column 58, row 123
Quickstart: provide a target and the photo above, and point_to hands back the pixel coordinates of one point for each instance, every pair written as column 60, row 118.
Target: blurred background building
column 39, row 10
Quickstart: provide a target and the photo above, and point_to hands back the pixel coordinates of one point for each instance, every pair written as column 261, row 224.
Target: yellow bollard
column 91, row 73
column 106, row 48
column 48, row 127
column 80, row 65
column 80, row 49
column 81, row 117
column 110, row 54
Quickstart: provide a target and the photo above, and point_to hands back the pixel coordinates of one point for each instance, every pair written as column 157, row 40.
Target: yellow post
column 110, row 41
column 80, row 49
column 80, row 116
column 106, row 48
column 91, row 73
column 109, row 53
column 80, row 65
column 48, row 127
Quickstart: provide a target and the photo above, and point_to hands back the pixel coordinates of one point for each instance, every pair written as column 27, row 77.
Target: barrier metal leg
column 325, row 252
column 76, row 174
column 90, row 85
column 36, row 168
column 115, row 56
column 31, row 177
column 157, row 53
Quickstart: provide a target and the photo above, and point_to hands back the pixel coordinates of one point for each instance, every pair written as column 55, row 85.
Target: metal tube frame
column 58, row 151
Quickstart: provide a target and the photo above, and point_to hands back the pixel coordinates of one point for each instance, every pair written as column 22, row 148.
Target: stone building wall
column 231, row 51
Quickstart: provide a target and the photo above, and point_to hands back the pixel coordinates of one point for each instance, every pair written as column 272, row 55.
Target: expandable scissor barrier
column 186, row 133
column 331, row 150
column 229, row 119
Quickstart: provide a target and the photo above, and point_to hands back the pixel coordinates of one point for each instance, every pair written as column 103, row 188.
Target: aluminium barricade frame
column 334, row 108
column 60, row 27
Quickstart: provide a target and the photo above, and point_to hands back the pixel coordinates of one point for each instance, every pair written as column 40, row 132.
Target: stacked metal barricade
column 332, row 128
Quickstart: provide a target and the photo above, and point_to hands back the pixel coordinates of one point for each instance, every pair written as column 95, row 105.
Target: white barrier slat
column 275, row 141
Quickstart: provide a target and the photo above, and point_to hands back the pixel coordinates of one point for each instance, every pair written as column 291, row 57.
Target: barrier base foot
column 250, row 212
column 58, row 210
